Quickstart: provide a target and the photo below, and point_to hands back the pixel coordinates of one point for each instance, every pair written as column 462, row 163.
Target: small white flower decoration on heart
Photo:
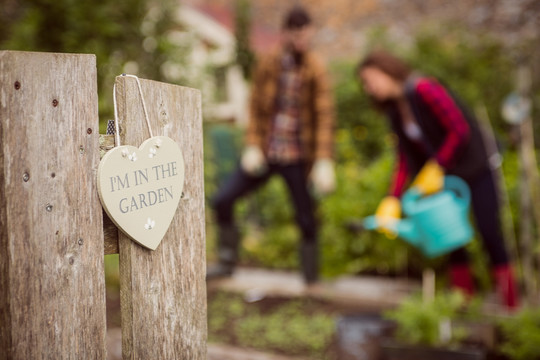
column 149, row 224
column 152, row 152
column 125, row 153
column 158, row 143
column 132, row 157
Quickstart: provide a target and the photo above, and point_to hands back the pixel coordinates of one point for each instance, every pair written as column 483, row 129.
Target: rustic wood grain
column 163, row 292
column 52, row 284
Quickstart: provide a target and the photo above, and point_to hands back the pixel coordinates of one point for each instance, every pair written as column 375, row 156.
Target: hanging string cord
column 116, row 126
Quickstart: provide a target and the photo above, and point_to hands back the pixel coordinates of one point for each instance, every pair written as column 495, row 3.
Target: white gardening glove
column 253, row 161
column 323, row 177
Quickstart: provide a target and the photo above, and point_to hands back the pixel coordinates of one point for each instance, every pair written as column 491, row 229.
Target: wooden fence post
column 163, row 292
column 52, row 284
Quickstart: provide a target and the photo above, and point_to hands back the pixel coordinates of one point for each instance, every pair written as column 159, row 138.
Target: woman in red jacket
column 437, row 135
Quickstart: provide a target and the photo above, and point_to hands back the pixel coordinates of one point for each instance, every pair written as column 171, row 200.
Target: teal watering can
column 436, row 224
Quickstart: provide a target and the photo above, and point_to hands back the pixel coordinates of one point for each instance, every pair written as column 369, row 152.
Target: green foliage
column 521, row 335
column 418, row 322
column 244, row 55
column 127, row 36
column 222, row 146
column 478, row 69
column 511, row 170
column 295, row 327
column 355, row 115
column 359, row 189
column 112, row 273
column 271, row 236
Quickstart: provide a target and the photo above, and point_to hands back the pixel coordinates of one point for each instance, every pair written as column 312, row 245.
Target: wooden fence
column 53, row 232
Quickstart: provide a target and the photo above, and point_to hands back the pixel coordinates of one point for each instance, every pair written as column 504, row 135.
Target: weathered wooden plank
column 163, row 292
column 52, row 284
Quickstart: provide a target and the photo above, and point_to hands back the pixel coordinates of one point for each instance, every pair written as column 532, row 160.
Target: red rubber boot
column 461, row 279
column 505, row 284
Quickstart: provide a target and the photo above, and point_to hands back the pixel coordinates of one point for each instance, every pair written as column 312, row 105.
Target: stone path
column 226, row 352
column 368, row 292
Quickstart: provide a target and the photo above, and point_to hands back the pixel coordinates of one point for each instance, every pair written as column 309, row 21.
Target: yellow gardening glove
column 323, row 177
column 430, row 179
column 387, row 213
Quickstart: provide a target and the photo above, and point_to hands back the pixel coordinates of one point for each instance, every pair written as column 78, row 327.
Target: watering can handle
column 459, row 187
column 451, row 183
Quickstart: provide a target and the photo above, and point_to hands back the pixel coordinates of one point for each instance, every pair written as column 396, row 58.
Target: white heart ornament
column 140, row 188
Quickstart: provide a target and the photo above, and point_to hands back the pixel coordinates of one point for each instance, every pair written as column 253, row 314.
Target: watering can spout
column 404, row 228
column 407, row 230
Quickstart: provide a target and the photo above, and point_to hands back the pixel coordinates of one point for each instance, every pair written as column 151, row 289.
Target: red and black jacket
column 450, row 134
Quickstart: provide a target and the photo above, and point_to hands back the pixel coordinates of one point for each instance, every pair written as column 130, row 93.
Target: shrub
column 521, row 335
column 419, row 323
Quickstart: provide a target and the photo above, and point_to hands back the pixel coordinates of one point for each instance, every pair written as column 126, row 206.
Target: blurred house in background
column 344, row 26
column 210, row 63
column 208, row 32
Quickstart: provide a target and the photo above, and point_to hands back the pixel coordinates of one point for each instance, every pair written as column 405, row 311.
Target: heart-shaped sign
column 140, row 188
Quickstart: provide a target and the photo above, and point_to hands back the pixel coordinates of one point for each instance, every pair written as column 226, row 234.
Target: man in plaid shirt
column 290, row 133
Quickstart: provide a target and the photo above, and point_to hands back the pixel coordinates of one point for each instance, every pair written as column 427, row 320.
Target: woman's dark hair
column 387, row 63
column 390, row 65
column 296, row 18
